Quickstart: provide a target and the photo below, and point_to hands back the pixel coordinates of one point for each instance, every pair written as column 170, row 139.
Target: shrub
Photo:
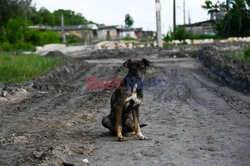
column 36, row 37
column 181, row 34
column 73, row 39
column 49, row 37
column 6, row 46
column 33, row 36
column 27, row 46
column 247, row 53
column 15, row 30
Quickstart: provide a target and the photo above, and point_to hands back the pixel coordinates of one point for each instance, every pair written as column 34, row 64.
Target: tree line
column 17, row 15
column 237, row 19
column 24, row 9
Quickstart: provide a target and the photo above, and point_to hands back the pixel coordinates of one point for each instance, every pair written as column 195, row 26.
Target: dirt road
column 194, row 120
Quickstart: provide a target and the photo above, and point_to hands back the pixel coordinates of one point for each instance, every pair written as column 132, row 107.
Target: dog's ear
column 146, row 62
column 127, row 63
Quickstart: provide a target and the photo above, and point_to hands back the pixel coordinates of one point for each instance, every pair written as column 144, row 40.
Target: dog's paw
column 142, row 137
column 122, row 139
column 130, row 134
column 145, row 138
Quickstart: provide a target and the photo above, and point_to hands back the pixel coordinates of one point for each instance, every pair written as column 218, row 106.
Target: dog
column 125, row 103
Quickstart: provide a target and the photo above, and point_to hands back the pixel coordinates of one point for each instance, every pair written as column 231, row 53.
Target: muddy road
column 193, row 120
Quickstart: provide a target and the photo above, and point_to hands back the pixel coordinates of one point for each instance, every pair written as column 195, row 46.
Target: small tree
column 129, row 22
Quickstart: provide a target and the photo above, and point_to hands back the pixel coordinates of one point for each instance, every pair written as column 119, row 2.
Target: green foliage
column 21, row 37
column 15, row 29
column 6, row 46
column 247, row 54
column 49, row 37
column 129, row 22
column 24, row 67
column 27, row 46
column 73, row 39
column 237, row 20
column 243, row 56
column 179, row 34
column 140, row 40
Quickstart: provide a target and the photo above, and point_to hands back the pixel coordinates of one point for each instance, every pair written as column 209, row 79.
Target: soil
column 231, row 71
column 194, row 120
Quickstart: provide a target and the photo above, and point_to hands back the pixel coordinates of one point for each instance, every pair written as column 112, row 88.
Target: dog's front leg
column 135, row 113
column 119, row 125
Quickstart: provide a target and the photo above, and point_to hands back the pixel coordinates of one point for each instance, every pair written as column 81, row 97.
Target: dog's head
column 137, row 68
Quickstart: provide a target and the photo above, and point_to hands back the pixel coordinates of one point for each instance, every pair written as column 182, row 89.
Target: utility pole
column 189, row 17
column 174, row 15
column 158, row 23
column 184, row 12
column 62, row 28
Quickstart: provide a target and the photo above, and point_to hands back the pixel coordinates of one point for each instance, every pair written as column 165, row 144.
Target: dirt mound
column 60, row 77
column 135, row 53
column 231, row 71
column 57, row 54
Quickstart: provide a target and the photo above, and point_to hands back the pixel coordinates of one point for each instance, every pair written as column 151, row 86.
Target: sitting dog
column 125, row 103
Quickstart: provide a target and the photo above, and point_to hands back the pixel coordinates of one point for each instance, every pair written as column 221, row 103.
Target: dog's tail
column 143, row 125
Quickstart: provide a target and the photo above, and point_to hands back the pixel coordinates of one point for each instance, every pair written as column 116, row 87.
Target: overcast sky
column 112, row 12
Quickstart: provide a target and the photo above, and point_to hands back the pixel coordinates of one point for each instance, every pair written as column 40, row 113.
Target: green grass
column 24, row 67
column 243, row 56
column 139, row 40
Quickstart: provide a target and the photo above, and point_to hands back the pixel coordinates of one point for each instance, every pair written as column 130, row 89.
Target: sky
column 112, row 12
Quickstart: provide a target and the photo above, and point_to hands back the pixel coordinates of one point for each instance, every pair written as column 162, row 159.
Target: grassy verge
column 243, row 56
column 24, row 67
column 139, row 40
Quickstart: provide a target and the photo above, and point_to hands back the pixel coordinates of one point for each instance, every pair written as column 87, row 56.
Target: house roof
column 197, row 23
column 109, row 27
column 131, row 29
column 58, row 28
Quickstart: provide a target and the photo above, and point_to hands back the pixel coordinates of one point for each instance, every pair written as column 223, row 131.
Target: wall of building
column 130, row 34
column 103, row 34
column 87, row 35
column 198, row 30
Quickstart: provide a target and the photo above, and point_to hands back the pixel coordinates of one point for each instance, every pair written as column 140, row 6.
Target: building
column 148, row 35
column 108, row 32
column 130, row 33
column 92, row 32
column 205, row 27
column 87, row 32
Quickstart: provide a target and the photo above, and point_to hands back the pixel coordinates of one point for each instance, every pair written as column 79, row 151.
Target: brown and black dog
column 125, row 102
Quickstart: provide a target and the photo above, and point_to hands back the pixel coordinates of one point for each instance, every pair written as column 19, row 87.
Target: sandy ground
column 193, row 121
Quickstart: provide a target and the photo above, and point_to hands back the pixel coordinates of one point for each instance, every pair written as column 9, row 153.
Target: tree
column 237, row 20
column 129, row 22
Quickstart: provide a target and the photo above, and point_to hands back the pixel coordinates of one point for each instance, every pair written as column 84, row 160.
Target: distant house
column 205, row 27
column 86, row 32
column 108, row 32
column 130, row 33
column 92, row 32
column 147, row 35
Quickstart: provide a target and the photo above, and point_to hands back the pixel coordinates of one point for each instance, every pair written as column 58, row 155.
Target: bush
column 49, row 37
column 35, row 37
column 15, row 30
column 181, row 34
column 6, row 46
column 247, row 54
column 27, row 46
column 73, row 39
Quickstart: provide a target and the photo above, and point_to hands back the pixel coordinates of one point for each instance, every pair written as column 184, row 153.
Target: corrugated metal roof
column 58, row 28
